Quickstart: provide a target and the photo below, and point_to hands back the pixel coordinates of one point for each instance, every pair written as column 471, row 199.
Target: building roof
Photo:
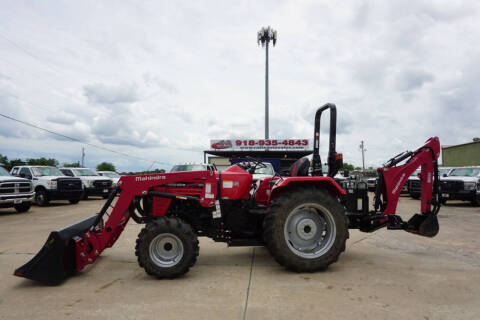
column 458, row 145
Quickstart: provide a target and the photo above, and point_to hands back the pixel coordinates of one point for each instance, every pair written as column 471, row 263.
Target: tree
column 43, row 162
column 72, row 165
column 348, row 166
column 106, row 166
column 15, row 162
column 4, row 160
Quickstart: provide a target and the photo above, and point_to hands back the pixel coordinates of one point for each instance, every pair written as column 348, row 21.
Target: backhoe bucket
column 423, row 224
column 56, row 260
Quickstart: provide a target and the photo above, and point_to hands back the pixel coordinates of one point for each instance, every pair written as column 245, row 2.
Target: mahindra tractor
column 302, row 217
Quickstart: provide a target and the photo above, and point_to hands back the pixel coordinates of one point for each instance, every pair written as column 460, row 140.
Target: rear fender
column 292, row 183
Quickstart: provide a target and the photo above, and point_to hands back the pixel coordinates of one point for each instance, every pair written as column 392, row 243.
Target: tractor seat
column 300, row 168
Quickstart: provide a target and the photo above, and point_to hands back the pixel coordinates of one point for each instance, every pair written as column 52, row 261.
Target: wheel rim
column 40, row 198
column 310, row 230
column 166, row 250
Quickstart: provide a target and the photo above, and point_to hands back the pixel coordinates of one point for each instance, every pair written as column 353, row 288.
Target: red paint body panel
column 236, row 183
column 160, row 206
column 262, row 194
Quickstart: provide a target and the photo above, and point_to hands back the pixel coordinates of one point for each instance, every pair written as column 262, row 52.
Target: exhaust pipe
column 57, row 259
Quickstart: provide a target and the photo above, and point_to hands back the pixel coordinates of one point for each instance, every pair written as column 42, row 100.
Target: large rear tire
column 167, row 248
column 306, row 230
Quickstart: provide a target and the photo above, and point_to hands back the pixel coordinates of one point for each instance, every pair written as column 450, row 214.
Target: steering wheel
column 257, row 164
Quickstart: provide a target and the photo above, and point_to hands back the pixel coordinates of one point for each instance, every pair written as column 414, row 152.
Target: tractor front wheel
column 166, row 248
column 306, row 230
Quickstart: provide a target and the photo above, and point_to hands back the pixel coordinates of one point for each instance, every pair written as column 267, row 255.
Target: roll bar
column 332, row 154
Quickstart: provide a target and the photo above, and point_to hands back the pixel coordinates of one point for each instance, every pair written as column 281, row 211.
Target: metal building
column 465, row 154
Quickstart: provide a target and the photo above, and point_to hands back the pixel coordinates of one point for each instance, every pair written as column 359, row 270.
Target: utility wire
column 27, row 52
column 77, row 140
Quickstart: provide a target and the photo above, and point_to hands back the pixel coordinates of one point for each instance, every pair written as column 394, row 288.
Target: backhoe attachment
column 391, row 179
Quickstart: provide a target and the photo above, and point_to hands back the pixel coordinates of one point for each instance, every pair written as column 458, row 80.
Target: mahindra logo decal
column 223, row 144
column 398, row 183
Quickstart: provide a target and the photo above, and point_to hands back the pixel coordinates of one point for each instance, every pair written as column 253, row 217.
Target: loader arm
column 92, row 244
column 71, row 249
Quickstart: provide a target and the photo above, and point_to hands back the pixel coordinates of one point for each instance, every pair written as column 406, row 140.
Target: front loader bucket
column 56, row 260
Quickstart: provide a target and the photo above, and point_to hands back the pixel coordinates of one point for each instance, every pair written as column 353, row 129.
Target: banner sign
column 260, row 144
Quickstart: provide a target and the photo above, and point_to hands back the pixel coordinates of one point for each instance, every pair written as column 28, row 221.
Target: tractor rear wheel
column 166, row 248
column 306, row 230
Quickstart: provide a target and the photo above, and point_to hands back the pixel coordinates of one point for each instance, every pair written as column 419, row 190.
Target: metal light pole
column 362, row 147
column 263, row 37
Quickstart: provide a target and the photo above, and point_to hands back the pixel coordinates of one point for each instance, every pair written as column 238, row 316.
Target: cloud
column 62, row 118
column 99, row 93
column 412, row 79
column 153, row 80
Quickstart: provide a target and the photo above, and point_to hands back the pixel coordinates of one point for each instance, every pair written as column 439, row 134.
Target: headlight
column 52, row 184
column 469, row 185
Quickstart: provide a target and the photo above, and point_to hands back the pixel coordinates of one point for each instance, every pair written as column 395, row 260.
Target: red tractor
column 302, row 217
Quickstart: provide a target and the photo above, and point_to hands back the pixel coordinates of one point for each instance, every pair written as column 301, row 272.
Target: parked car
column 49, row 183
column 445, row 171
column 263, row 172
column 93, row 184
column 414, row 184
column 110, row 174
column 371, row 179
column 15, row 192
column 193, row 167
column 461, row 184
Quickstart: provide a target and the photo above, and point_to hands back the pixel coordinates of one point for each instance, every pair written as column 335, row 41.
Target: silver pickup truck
column 15, row 192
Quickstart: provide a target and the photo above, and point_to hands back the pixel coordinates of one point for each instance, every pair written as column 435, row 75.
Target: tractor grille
column 415, row 186
column 69, row 184
column 451, row 186
column 15, row 187
column 102, row 184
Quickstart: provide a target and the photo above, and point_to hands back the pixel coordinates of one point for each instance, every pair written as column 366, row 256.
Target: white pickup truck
column 461, row 184
column 93, row 184
column 15, row 192
column 50, row 184
column 112, row 175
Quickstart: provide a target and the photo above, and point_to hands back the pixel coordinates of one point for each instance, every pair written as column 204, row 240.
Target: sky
column 156, row 80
